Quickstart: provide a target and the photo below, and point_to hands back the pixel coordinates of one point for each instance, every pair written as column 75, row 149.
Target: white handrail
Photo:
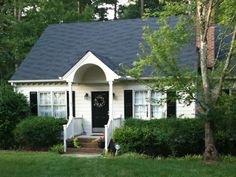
column 110, row 128
column 73, row 127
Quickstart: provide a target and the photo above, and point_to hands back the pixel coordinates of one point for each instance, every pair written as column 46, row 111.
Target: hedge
column 39, row 132
column 168, row 137
column 13, row 108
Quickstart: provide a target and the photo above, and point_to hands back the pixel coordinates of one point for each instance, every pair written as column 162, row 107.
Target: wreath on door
column 99, row 101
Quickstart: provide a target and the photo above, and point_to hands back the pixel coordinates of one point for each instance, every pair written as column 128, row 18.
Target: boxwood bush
column 169, row 137
column 161, row 137
column 39, row 132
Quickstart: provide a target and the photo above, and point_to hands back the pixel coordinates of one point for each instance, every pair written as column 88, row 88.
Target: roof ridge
column 103, row 22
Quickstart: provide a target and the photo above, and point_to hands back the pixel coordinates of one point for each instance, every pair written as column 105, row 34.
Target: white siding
column 185, row 111
column 83, row 106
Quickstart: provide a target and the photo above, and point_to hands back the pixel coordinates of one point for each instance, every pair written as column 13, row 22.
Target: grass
column 32, row 164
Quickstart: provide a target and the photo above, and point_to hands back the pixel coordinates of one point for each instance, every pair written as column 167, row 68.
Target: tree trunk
column 204, row 11
column 210, row 153
column 79, row 12
column 15, row 9
column 115, row 11
column 142, row 7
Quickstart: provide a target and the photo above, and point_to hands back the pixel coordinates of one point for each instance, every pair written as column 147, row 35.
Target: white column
column 70, row 101
column 110, row 100
column 106, row 138
column 65, row 137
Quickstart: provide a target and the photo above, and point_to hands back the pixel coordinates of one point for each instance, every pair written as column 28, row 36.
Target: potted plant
column 101, row 142
column 76, row 143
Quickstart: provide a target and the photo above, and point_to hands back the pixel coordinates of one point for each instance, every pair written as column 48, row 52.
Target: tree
column 138, row 8
column 21, row 24
column 101, row 9
column 87, row 15
column 161, row 53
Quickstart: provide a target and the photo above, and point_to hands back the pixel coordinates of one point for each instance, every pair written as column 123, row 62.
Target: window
column 52, row 104
column 140, row 104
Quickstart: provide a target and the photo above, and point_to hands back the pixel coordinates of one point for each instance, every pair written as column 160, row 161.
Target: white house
column 72, row 72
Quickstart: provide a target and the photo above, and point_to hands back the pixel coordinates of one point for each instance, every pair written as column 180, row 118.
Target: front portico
column 92, row 80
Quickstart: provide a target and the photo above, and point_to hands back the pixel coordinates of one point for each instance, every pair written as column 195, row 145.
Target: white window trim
column 149, row 104
column 52, row 104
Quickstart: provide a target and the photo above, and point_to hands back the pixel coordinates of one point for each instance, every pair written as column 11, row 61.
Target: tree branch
column 226, row 66
column 208, row 20
column 231, row 69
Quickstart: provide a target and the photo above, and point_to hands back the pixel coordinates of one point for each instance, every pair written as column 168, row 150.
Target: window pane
column 140, row 104
column 155, row 96
column 59, row 111
column 154, row 104
column 154, row 111
column 59, row 98
column 45, row 98
column 45, row 111
column 59, row 105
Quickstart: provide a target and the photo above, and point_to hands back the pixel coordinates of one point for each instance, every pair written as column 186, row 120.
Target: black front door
column 100, row 107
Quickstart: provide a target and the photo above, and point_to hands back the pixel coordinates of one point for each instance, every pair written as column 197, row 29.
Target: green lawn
column 19, row 164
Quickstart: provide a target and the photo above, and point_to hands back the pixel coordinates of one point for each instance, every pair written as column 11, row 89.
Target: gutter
column 35, row 81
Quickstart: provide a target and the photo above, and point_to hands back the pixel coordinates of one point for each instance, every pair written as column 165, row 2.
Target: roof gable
column 90, row 58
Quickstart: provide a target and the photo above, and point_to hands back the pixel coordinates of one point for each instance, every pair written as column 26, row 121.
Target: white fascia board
column 35, row 81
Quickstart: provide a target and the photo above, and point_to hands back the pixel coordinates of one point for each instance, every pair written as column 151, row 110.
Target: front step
column 88, row 145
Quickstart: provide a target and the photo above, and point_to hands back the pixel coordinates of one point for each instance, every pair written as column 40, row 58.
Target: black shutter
column 67, row 103
column 171, row 104
column 128, row 103
column 33, row 103
column 73, row 102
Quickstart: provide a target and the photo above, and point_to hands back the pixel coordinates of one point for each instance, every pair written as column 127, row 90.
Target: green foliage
column 58, row 148
column 153, row 8
column 192, row 157
column 39, row 132
column 129, row 12
column 172, row 137
column 76, row 143
column 19, row 32
column 162, row 137
column 225, row 123
column 13, row 109
column 228, row 158
column 87, row 15
column 133, row 155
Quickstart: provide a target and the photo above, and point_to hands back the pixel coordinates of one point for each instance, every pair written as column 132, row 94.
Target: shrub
column 39, row 132
column 76, row 143
column 174, row 137
column 58, row 148
column 13, row 109
column 164, row 137
column 225, row 123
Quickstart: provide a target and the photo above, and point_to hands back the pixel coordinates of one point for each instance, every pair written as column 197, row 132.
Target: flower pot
column 101, row 144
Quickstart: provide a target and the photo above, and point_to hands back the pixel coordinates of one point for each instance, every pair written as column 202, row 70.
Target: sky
column 111, row 12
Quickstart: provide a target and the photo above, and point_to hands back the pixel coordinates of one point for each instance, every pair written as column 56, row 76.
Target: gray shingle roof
column 61, row 46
